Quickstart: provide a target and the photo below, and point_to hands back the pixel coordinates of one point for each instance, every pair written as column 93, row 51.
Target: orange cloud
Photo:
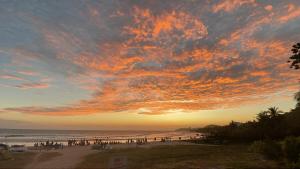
column 169, row 25
column 225, row 80
column 292, row 13
column 259, row 73
column 269, row 7
column 230, row 5
column 155, row 62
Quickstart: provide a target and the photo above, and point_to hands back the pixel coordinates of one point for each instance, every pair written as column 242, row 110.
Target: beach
column 124, row 150
column 65, row 158
column 29, row 136
column 172, row 155
column 57, row 149
column 70, row 157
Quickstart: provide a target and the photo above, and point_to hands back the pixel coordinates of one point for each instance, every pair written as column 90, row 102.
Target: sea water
column 30, row 136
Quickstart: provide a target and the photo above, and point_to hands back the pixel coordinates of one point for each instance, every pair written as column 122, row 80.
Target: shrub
column 257, row 146
column 291, row 149
column 4, row 155
column 268, row 148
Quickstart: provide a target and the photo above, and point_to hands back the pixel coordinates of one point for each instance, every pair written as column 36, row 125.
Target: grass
column 48, row 156
column 181, row 156
column 18, row 160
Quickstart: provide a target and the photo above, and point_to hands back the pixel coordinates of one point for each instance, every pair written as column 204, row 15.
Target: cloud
column 269, row 7
column 4, row 123
column 292, row 13
column 32, row 86
column 151, row 58
column 230, row 5
column 28, row 73
column 152, row 113
column 10, row 77
column 169, row 25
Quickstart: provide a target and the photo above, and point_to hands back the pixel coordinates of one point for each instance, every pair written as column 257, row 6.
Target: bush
column 291, row 149
column 268, row 148
column 4, row 155
column 257, row 146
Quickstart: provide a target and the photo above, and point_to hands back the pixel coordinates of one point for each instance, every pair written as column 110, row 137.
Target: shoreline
column 29, row 139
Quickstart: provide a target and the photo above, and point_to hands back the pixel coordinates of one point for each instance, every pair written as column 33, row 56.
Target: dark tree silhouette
column 274, row 112
column 297, row 98
column 262, row 116
column 295, row 58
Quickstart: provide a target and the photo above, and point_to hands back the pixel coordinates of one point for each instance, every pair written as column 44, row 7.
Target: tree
column 262, row 116
column 295, row 64
column 233, row 124
column 295, row 58
column 274, row 112
column 297, row 98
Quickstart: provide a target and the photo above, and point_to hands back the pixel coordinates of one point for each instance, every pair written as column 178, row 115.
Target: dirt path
column 69, row 158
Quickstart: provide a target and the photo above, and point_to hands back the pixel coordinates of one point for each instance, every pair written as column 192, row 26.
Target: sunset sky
column 106, row 64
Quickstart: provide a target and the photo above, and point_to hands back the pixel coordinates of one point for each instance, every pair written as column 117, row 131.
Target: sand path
column 70, row 157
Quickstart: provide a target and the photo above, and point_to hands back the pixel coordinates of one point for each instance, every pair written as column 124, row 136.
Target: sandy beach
column 69, row 157
column 159, row 155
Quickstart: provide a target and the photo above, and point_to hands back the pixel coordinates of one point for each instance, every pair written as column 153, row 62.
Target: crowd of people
column 141, row 141
column 81, row 142
column 101, row 142
column 49, row 145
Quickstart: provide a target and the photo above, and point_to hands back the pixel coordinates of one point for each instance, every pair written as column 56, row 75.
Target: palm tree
column 262, row 116
column 274, row 112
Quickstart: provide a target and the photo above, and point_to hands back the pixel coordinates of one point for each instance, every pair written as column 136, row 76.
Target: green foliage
column 268, row 148
column 293, row 122
column 270, row 124
column 288, row 150
column 291, row 149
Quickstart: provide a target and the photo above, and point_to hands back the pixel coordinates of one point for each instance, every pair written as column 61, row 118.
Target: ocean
column 30, row 136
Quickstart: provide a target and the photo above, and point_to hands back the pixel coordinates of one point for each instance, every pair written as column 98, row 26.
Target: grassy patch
column 48, row 156
column 181, row 156
column 18, row 160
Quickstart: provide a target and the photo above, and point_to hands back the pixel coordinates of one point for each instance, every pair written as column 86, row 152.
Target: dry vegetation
column 17, row 160
column 178, row 157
